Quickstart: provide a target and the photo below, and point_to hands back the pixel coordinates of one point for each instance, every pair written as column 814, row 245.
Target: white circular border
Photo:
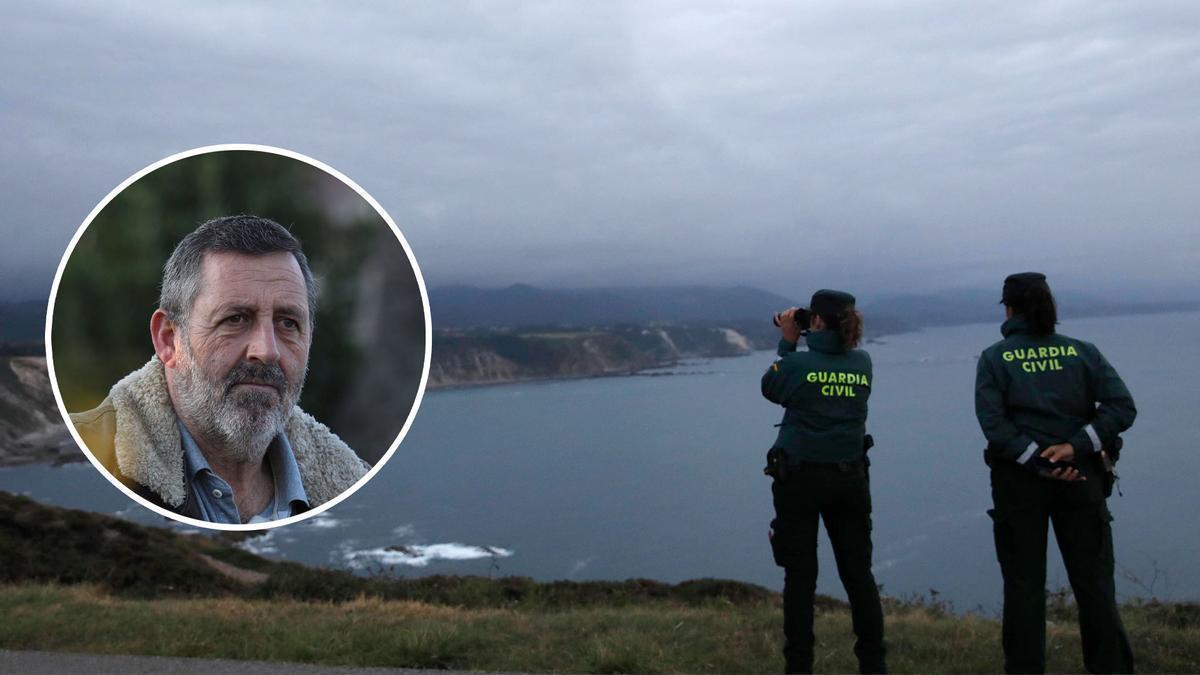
column 62, row 408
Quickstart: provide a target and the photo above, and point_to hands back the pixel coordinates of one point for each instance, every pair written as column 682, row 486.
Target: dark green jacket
column 825, row 391
column 1033, row 391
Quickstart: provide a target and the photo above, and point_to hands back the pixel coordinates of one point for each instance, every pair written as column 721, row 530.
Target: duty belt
column 846, row 466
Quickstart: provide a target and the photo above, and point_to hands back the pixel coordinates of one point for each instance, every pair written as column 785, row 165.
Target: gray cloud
column 886, row 144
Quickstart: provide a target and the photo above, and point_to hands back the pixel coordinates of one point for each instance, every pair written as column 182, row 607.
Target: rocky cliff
column 31, row 429
column 497, row 356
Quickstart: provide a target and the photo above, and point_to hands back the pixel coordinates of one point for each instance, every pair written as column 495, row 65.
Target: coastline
column 54, row 446
column 50, row 442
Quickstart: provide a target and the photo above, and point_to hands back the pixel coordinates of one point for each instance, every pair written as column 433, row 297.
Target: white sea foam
column 578, row 567
column 420, row 555
column 883, row 565
column 260, row 545
column 324, row 522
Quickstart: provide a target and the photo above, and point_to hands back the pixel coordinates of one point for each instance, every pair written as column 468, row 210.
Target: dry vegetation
column 75, row 581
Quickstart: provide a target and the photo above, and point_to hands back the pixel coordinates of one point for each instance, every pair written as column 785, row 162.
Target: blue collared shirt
column 215, row 496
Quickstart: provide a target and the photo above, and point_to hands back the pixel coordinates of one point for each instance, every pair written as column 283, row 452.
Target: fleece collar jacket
column 133, row 435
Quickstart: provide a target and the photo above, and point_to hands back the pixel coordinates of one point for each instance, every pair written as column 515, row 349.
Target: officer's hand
column 1066, row 473
column 1063, row 452
column 1044, row 463
column 788, row 330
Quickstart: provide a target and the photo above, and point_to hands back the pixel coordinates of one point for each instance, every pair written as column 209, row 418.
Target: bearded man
column 209, row 428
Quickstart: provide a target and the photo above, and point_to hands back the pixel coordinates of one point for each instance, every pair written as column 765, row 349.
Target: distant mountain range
column 962, row 306
column 521, row 332
column 523, row 305
column 459, row 307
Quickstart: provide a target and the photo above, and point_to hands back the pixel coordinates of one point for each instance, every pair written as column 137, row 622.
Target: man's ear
column 164, row 334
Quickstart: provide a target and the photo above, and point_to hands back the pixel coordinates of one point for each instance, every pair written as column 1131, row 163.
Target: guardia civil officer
column 1051, row 408
column 820, row 472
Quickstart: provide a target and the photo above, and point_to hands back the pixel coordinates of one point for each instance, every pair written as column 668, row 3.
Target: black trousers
column 1024, row 503
column 840, row 495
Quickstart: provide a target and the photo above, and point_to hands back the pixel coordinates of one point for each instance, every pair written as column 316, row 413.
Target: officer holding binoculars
column 819, row 468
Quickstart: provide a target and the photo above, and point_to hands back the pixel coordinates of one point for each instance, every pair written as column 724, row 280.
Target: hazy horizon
column 1113, row 293
column 903, row 147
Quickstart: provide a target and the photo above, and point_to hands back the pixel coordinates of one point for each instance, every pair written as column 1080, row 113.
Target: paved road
column 37, row 663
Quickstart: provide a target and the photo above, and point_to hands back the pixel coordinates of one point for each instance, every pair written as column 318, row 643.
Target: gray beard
column 237, row 423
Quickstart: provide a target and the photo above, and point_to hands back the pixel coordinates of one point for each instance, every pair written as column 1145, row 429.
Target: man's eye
column 236, row 319
column 290, row 324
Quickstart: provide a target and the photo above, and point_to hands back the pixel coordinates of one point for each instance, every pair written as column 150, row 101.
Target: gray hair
column 246, row 234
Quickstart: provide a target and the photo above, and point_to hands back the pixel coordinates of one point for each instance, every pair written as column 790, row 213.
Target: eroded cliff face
column 31, row 429
column 493, row 357
column 459, row 361
column 470, row 363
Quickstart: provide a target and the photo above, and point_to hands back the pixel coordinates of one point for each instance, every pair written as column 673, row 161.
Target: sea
column 659, row 476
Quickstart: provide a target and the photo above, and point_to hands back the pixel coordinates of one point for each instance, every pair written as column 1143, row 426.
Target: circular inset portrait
column 238, row 337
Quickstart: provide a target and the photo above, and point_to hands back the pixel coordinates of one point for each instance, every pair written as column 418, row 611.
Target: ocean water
column 660, row 476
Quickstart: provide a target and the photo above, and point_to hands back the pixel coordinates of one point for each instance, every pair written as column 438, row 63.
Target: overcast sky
column 874, row 145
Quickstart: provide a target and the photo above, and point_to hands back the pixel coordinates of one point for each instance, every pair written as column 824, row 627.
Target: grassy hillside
column 642, row 637
column 75, row 581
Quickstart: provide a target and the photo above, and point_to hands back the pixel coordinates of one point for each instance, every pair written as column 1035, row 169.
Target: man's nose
column 263, row 346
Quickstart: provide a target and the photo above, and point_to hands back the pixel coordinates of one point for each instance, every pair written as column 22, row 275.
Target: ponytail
column 850, row 327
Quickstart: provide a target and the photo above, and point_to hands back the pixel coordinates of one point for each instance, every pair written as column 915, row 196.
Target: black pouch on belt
column 776, row 464
column 1109, row 457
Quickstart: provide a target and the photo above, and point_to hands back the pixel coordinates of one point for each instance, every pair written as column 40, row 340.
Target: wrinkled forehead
column 271, row 280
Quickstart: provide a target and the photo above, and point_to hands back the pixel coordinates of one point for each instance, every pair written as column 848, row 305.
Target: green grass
column 78, row 581
column 663, row 636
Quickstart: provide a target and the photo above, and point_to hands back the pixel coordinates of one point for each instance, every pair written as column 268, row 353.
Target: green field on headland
column 77, row 581
column 642, row 637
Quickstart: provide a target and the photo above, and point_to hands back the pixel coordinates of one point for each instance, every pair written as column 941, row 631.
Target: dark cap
column 1015, row 286
column 827, row 303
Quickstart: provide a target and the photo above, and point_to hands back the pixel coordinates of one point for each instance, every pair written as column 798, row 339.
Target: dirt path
column 36, row 663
